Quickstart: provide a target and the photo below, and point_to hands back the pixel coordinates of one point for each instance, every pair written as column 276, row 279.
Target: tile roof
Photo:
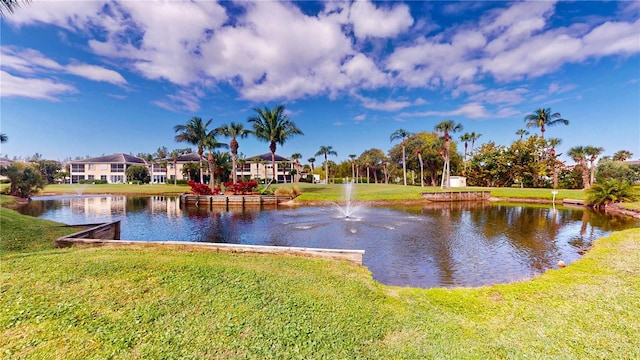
column 114, row 158
column 267, row 157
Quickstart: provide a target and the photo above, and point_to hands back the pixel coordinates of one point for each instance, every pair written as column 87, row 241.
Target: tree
column 275, row 127
column 473, row 137
column 137, row 173
column 3, row 138
column 544, row 117
column 579, row 155
column 195, row 132
column 592, row 152
column 446, row 127
column 190, row 170
column 622, row 155
column 521, row 133
column 161, row 154
column 10, row 6
column 465, row 138
column 234, row 131
column 296, row 158
column 25, row 180
column 325, row 151
column 353, row 166
column 48, row 169
column 553, row 143
column 402, row 135
column 611, row 191
column 174, row 157
column 373, row 159
column 311, row 161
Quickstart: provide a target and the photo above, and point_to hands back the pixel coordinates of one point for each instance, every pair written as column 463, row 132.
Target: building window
column 91, row 166
column 77, row 168
column 103, row 167
column 117, row 168
column 117, row 179
column 103, row 177
column 90, row 177
column 76, row 178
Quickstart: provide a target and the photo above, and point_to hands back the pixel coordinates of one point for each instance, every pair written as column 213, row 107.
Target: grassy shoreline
column 84, row 303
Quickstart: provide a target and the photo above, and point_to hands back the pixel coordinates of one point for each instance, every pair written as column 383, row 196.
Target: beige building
column 110, row 168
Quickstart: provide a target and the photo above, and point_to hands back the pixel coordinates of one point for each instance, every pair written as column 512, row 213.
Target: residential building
column 110, row 168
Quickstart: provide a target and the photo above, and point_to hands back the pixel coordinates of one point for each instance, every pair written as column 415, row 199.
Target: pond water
column 431, row 245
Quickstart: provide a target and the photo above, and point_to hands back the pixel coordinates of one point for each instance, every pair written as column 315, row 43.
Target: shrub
column 202, row 189
column 262, row 190
column 611, row 191
column 241, row 187
column 92, row 181
column 25, row 180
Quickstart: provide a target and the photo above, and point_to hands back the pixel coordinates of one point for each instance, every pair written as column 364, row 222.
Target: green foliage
column 92, row 181
column 608, row 170
column 25, row 180
column 611, row 191
column 137, row 173
column 48, row 169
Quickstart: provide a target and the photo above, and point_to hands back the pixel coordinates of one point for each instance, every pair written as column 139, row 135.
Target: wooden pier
column 450, row 196
column 232, row 201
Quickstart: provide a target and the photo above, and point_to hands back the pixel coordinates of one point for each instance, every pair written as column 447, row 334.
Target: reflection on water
column 450, row 244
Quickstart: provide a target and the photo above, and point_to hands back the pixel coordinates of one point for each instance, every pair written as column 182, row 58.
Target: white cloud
column 359, row 118
column 371, row 21
column 46, row 89
column 96, row 73
column 471, row 111
column 500, row 96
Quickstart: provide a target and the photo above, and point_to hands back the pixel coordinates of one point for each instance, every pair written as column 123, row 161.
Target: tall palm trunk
column 212, row 171
column 404, row 164
column 234, row 158
column 272, row 147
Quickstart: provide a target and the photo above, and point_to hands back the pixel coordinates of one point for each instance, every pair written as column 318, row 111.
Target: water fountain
column 348, row 209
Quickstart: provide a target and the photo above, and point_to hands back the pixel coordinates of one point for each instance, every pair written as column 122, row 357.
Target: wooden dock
column 451, row 196
column 232, row 201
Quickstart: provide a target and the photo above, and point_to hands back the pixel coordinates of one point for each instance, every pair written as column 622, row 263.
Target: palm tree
column 275, row 127
column 446, row 127
column 521, row 133
column 234, row 131
column 544, row 117
column 473, row 137
column 3, row 138
column 579, row 155
column 241, row 161
column 403, row 135
column 593, row 152
column 419, row 152
column 174, row 156
column 312, row 160
column 353, row 166
column 296, row 157
column 622, row 155
column 553, row 143
column 195, row 132
column 465, row 138
column 326, row 150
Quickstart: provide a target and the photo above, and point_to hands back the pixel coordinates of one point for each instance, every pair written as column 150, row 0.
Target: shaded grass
column 96, row 303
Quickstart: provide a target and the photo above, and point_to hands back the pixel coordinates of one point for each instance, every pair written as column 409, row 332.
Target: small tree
column 610, row 191
column 25, row 180
column 137, row 173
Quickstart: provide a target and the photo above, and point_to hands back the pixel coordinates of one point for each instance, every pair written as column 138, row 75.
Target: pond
column 429, row 245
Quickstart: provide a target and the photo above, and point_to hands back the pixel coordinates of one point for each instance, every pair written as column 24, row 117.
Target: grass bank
column 98, row 303
column 388, row 192
column 128, row 189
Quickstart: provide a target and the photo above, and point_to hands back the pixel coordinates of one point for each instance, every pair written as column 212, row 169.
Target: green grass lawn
column 97, row 303
column 384, row 192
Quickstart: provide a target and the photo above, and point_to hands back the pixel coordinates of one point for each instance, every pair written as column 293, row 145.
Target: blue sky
column 90, row 78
